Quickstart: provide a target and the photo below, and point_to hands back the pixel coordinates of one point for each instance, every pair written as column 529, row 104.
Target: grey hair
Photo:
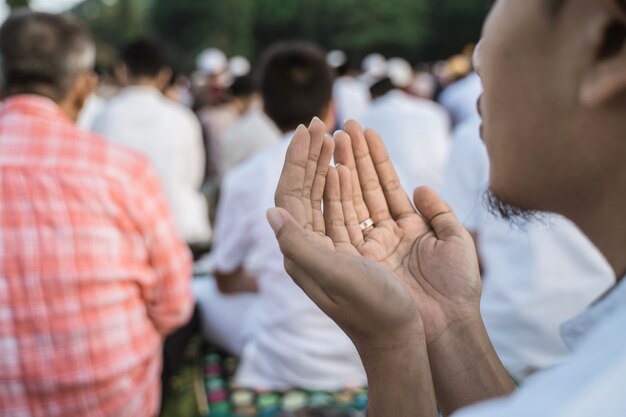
column 43, row 52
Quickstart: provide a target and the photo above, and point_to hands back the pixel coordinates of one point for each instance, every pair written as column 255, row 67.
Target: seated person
column 93, row 275
column 167, row 133
column 407, row 288
column 283, row 339
column 253, row 132
column 522, row 267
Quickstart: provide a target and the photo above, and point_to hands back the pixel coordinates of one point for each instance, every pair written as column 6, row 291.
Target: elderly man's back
column 92, row 273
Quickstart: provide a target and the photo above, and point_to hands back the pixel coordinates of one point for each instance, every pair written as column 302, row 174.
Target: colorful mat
column 222, row 401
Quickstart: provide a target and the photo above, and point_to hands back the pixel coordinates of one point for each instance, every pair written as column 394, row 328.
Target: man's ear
column 163, row 78
column 84, row 86
column 606, row 78
column 87, row 84
column 120, row 73
column 329, row 117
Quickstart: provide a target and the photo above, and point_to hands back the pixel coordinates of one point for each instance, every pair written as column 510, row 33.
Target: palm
column 323, row 261
column 439, row 272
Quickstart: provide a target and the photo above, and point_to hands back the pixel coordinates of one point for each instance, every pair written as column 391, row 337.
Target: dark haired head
column 296, row 83
column 43, row 53
column 144, row 58
column 243, row 86
column 382, row 87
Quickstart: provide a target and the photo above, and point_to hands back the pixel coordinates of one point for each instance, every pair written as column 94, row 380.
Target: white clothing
column 216, row 120
column 293, row 343
column 252, row 133
column 535, row 278
column 170, row 136
column 222, row 314
column 589, row 383
column 460, row 98
column 416, row 133
column 90, row 111
column 352, row 99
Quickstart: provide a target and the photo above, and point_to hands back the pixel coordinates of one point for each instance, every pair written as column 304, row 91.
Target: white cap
column 239, row 66
column 400, row 72
column 424, row 85
column 374, row 65
column 336, row 58
column 212, row 61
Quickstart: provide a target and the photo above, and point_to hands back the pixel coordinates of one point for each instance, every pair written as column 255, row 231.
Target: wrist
column 392, row 343
column 466, row 368
column 399, row 377
column 455, row 322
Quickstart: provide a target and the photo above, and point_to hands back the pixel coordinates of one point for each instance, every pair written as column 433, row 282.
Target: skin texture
column 553, row 105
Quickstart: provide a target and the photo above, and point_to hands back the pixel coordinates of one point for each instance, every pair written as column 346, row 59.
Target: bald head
column 43, row 53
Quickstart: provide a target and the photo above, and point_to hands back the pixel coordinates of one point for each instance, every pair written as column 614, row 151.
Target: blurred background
column 417, row 30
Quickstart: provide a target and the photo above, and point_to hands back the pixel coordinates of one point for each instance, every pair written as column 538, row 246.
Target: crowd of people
column 129, row 201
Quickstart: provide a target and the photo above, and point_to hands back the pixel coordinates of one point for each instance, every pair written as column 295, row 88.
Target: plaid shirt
column 92, row 273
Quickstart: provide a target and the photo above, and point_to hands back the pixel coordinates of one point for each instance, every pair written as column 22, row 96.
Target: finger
column 289, row 190
column 398, row 201
column 319, row 183
column 351, row 220
column 440, row 216
column 373, row 194
column 318, row 261
column 317, row 131
column 345, row 157
column 333, row 210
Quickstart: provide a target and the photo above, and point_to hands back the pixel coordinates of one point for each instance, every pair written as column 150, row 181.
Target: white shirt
column 352, row 99
column 460, row 98
column 535, row 278
column 252, row 133
column 170, row 136
column 416, row 133
column 90, row 111
column 293, row 343
column 589, row 383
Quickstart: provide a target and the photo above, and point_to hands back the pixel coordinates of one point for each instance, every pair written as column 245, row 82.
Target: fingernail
column 275, row 219
column 301, row 127
column 316, row 119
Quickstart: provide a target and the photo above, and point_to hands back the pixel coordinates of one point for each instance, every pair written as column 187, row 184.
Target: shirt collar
column 575, row 330
column 140, row 90
column 36, row 105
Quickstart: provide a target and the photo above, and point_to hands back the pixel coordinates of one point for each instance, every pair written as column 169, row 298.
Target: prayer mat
column 223, row 400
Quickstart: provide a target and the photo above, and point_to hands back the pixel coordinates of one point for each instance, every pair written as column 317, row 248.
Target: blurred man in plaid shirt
column 92, row 273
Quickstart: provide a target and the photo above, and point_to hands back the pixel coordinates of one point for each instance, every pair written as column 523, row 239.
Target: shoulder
column 115, row 161
column 257, row 171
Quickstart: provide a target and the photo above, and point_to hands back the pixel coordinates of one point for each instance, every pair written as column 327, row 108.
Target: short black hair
column 42, row 53
column 296, row 83
column 243, row 86
column 382, row 87
column 145, row 57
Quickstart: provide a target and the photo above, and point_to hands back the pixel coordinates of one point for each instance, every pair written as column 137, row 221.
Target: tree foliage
column 415, row 29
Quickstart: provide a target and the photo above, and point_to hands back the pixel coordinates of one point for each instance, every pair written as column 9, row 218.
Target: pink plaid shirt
column 92, row 272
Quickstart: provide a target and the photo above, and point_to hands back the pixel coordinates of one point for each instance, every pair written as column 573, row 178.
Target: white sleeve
column 231, row 237
column 466, row 176
column 588, row 383
column 197, row 156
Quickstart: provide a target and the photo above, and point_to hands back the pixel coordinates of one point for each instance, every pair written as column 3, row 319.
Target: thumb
column 291, row 237
column 307, row 264
column 437, row 212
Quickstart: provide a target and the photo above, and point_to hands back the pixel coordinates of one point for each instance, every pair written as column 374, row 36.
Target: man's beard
column 513, row 215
